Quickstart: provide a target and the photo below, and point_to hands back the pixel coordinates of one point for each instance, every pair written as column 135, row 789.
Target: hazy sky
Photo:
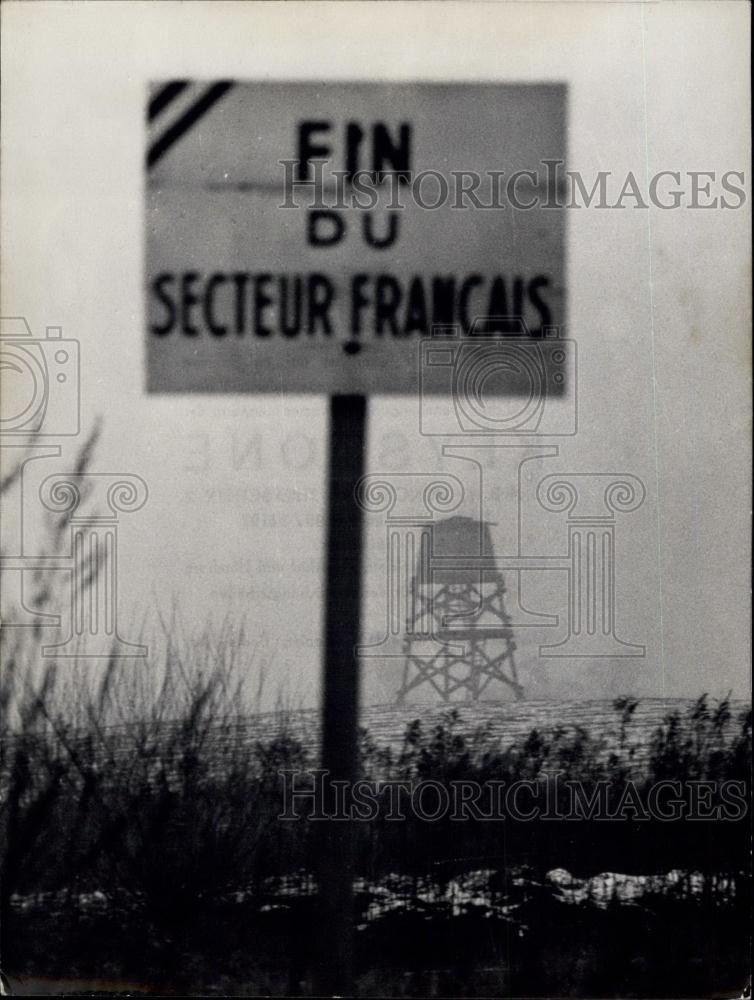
column 658, row 302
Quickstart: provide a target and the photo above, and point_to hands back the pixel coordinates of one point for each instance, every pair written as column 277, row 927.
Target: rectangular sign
column 306, row 237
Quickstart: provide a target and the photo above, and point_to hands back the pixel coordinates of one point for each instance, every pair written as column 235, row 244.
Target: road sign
column 309, row 238
column 303, row 237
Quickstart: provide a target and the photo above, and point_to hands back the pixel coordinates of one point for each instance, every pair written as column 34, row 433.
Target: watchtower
column 457, row 600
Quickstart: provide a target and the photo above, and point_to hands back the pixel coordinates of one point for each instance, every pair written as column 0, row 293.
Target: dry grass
column 139, row 836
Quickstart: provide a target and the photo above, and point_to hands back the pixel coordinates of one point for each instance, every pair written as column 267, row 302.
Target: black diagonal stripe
column 184, row 123
column 164, row 96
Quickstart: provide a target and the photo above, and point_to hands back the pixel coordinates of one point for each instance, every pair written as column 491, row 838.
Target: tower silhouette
column 458, row 637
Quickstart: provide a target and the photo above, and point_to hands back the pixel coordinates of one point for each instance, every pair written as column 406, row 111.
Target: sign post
column 265, row 275
column 348, row 424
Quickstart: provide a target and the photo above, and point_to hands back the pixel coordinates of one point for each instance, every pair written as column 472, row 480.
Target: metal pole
column 348, row 417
